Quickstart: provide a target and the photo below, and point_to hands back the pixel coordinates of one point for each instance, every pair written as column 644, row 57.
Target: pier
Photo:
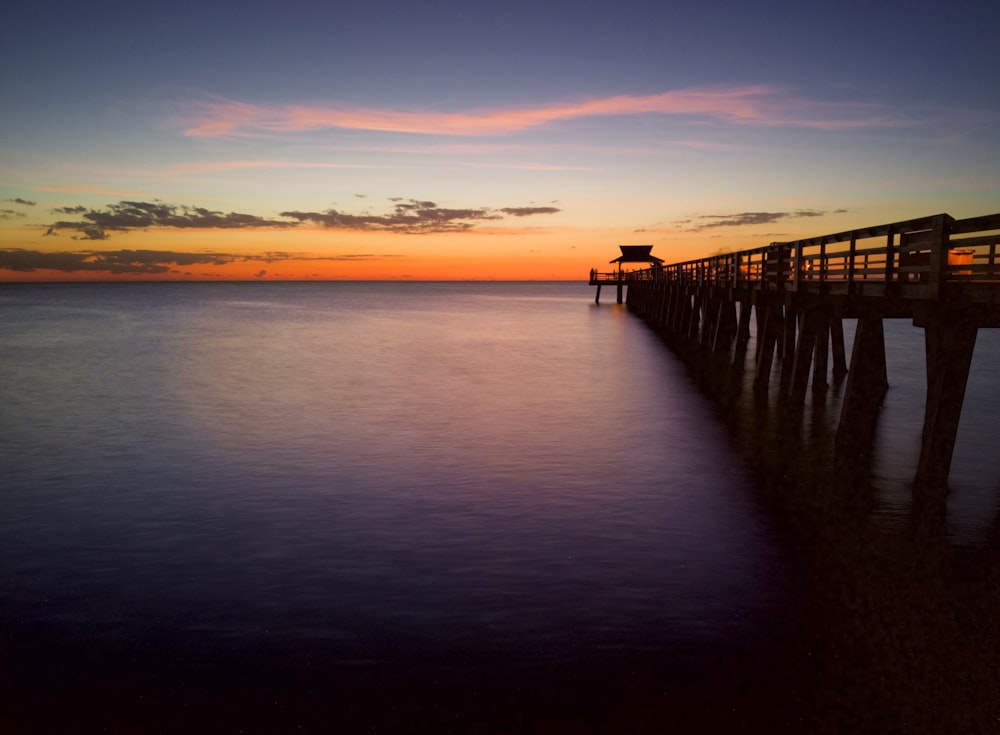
column 940, row 272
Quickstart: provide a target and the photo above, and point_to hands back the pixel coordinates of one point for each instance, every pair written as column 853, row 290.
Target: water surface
column 476, row 504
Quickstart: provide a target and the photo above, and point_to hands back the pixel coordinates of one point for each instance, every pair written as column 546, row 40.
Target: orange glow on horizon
column 307, row 253
column 317, row 254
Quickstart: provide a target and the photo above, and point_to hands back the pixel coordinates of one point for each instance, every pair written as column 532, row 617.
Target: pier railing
column 941, row 272
column 911, row 259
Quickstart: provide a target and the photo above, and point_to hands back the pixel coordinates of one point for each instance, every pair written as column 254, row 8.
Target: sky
column 477, row 140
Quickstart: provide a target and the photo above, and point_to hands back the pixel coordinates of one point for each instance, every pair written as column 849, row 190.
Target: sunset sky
column 480, row 140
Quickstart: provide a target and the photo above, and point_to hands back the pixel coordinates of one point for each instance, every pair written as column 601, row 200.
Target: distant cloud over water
column 148, row 262
column 407, row 216
column 117, row 262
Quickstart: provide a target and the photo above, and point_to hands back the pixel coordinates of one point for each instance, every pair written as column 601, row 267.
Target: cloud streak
column 742, row 219
column 130, row 215
column 115, row 262
column 211, row 166
column 760, row 105
column 407, row 216
column 414, row 217
column 147, row 262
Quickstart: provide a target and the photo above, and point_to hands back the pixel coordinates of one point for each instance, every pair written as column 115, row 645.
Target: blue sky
column 527, row 137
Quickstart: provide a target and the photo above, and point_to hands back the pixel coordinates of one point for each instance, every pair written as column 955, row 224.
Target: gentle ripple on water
column 476, row 463
column 212, row 490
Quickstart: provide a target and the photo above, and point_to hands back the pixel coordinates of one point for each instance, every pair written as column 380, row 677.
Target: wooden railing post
column 797, row 265
column 938, row 256
column 890, row 259
column 852, row 254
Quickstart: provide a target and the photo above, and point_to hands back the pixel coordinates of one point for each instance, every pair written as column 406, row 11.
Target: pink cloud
column 751, row 105
column 209, row 166
column 89, row 189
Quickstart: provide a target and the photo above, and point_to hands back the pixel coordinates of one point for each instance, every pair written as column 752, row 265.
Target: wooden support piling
column 949, row 344
column 789, row 335
column 694, row 318
column 760, row 316
column 710, row 322
column 867, row 383
column 768, row 342
column 790, row 329
column 821, row 358
column 743, row 326
column 837, row 347
column 804, row 350
column 725, row 326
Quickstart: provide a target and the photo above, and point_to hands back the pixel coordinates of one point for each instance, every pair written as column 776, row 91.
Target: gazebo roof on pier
column 636, row 254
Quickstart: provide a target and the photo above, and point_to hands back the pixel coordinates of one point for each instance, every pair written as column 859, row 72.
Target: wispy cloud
column 741, row 219
column 531, row 167
column 89, row 189
column 760, row 105
column 94, row 224
column 406, row 216
column 14, row 213
column 203, row 167
column 415, row 217
column 117, row 262
column 149, row 262
column 210, row 166
column 528, row 211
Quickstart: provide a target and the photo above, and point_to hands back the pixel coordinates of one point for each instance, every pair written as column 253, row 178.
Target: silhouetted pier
column 940, row 272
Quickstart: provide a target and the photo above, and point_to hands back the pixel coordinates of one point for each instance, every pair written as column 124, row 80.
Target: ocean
column 462, row 507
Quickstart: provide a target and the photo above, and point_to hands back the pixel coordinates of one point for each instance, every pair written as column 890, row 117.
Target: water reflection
column 250, row 484
column 897, row 602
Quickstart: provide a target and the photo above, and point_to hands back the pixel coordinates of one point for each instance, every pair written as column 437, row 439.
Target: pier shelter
column 630, row 254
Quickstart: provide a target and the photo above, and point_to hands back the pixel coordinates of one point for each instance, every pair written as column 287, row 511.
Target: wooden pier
column 942, row 273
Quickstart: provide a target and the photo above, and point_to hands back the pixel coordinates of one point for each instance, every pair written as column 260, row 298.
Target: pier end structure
column 940, row 272
column 630, row 254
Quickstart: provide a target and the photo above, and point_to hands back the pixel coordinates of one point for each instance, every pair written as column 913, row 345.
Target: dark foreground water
column 461, row 508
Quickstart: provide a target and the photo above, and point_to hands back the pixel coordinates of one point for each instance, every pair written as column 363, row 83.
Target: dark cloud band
column 116, row 262
column 146, row 262
column 407, row 216
column 414, row 217
column 709, row 221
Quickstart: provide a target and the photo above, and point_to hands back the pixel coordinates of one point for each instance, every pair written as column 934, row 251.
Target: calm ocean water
column 468, row 506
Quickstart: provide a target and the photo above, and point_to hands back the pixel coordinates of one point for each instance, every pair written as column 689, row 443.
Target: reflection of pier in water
column 942, row 273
